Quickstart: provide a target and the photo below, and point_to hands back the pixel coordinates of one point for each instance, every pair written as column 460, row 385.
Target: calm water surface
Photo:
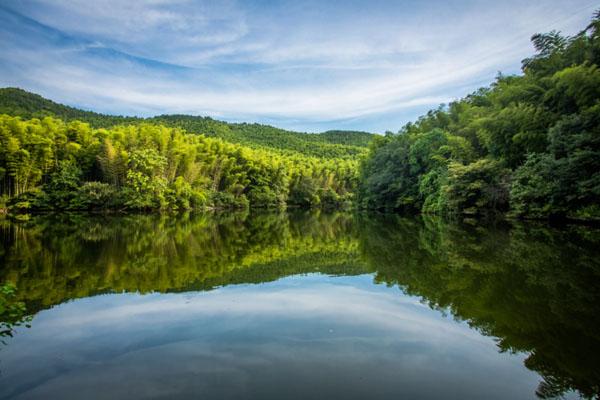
column 299, row 305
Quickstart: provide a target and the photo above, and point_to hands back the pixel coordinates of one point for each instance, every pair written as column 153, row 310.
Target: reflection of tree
column 12, row 312
column 55, row 258
column 536, row 289
column 533, row 287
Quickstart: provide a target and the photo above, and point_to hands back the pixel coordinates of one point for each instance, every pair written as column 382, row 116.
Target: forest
column 55, row 157
column 49, row 164
column 528, row 146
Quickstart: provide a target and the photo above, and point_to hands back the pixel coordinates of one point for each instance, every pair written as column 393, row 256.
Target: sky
column 303, row 65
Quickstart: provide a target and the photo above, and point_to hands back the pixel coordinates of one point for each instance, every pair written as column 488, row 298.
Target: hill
column 21, row 103
column 330, row 144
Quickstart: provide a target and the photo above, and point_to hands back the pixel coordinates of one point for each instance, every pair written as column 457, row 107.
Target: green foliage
column 534, row 187
column 405, row 171
column 387, row 179
column 18, row 102
column 62, row 186
column 225, row 200
column 540, row 131
column 348, row 138
column 95, row 196
column 431, row 190
column 52, row 165
column 477, row 187
column 145, row 184
column 12, row 311
column 330, row 144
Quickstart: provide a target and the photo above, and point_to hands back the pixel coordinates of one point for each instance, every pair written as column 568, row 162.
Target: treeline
column 49, row 164
column 528, row 145
column 331, row 144
column 27, row 105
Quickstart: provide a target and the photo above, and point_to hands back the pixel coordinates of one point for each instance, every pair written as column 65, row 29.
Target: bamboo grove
column 48, row 164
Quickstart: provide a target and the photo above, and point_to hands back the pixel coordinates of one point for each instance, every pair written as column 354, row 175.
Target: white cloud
column 317, row 63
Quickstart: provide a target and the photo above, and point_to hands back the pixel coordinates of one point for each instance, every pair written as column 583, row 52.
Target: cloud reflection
column 300, row 337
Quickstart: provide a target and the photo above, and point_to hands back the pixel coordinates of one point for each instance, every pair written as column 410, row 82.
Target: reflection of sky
column 300, row 337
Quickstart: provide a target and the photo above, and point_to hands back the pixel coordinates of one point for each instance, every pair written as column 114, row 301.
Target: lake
column 299, row 305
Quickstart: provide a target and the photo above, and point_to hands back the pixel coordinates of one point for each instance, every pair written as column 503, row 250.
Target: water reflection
column 529, row 288
column 535, row 288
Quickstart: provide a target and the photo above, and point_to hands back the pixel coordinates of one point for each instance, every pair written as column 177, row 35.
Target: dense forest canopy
column 51, row 164
column 528, row 144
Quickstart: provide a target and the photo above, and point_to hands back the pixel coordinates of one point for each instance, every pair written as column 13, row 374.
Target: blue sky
column 304, row 65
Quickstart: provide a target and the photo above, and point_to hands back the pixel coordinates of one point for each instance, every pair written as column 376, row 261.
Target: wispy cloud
column 307, row 65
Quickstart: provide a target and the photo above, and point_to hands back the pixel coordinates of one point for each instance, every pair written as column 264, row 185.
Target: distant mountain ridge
column 330, row 144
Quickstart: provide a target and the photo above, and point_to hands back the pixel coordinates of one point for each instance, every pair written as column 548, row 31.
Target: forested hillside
column 528, row 144
column 19, row 102
column 49, row 164
column 339, row 144
column 55, row 157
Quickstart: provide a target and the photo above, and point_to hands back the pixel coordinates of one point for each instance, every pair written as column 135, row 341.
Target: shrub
column 477, row 188
column 95, row 195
